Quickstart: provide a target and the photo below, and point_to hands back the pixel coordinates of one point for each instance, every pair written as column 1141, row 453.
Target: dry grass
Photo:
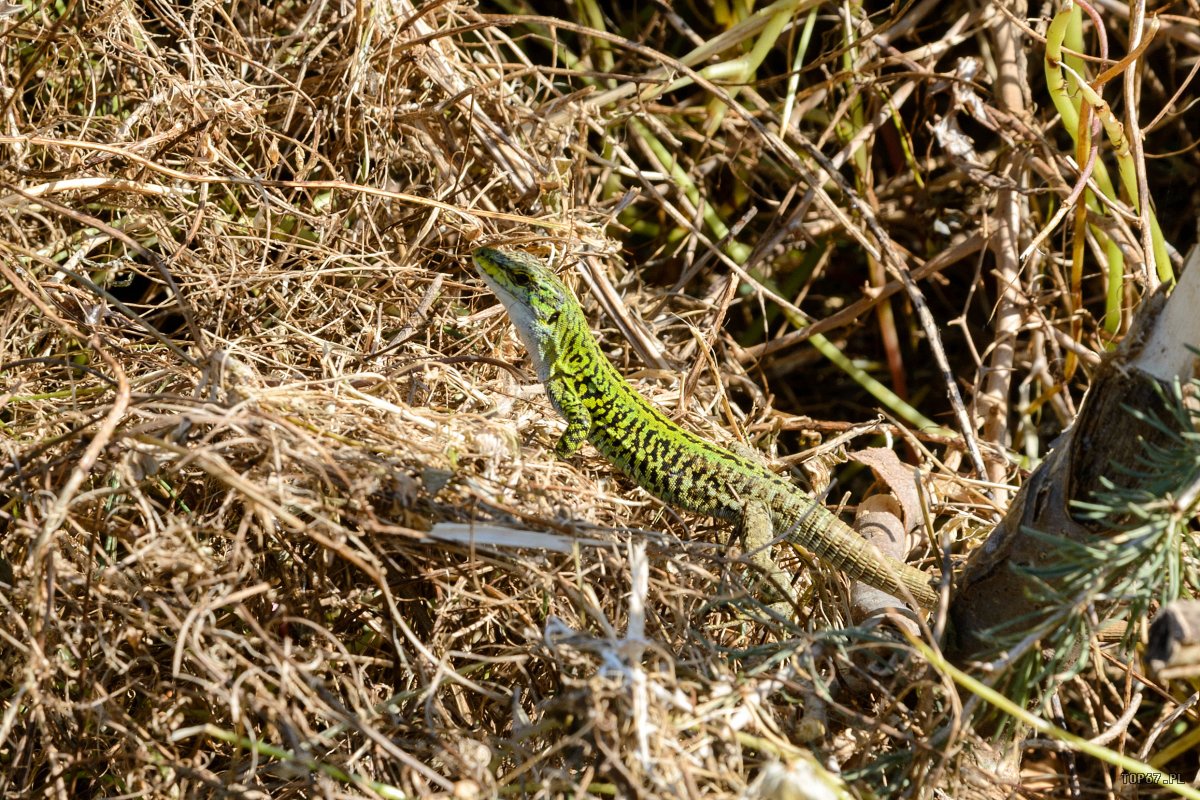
column 246, row 365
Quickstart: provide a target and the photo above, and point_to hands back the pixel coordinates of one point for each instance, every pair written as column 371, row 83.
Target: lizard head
column 534, row 298
column 530, row 292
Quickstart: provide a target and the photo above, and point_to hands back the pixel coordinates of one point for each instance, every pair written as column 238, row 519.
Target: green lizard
column 671, row 463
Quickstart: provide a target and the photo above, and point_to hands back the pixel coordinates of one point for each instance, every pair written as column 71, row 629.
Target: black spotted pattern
column 686, row 471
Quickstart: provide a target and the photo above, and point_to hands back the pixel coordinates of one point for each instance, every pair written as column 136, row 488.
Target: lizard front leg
column 571, row 406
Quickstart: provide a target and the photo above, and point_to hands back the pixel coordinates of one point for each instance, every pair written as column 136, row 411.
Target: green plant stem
column 384, row 790
column 1002, row 703
column 667, row 160
column 1069, row 89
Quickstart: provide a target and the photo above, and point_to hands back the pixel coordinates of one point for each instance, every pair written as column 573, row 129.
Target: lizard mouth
column 489, row 265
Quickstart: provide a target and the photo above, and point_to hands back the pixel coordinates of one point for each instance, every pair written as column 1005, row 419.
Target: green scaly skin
column 671, row 463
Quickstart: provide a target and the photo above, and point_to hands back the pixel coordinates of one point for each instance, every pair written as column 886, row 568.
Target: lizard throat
column 523, row 319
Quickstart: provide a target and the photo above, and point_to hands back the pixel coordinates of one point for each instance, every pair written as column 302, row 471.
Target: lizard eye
column 521, row 279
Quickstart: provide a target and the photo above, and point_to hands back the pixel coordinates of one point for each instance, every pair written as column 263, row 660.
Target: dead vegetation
column 246, row 366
